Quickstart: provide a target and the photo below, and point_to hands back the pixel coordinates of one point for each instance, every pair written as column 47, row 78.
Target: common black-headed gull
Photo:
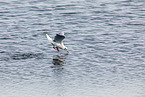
column 57, row 42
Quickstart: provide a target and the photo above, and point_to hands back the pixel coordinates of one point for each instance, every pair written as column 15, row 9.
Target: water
column 105, row 38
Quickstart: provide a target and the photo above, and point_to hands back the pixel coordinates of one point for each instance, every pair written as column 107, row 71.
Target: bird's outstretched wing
column 58, row 38
column 49, row 39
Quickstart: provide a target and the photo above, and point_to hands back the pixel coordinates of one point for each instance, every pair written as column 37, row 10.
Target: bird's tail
column 49, row 39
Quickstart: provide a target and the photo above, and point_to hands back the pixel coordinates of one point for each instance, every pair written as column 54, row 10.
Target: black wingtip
column 60, row 35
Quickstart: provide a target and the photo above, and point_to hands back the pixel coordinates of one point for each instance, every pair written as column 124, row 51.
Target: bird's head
column 66, row 49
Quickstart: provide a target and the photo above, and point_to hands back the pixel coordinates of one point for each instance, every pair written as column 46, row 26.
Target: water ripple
column 105, row 39
column 27, row 56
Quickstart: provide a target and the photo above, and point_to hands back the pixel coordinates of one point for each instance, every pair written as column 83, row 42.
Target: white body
column 59, row 45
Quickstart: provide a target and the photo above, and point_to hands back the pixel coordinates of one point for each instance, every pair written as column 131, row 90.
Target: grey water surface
column 105, row 38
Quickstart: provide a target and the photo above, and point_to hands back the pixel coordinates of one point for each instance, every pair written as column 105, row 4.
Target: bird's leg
column 57, row 49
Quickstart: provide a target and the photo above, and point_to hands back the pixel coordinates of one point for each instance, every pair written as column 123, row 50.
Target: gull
column 57, row 42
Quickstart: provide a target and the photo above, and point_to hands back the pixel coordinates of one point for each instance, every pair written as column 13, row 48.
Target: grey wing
column 58, row 38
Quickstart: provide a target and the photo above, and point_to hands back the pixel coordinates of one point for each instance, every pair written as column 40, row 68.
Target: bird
column 57, row 42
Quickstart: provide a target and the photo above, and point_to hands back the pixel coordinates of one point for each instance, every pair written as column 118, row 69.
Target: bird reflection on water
column 58, row 72
column 59, row 60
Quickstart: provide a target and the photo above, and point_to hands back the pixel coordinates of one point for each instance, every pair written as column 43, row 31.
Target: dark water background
column 106, row 40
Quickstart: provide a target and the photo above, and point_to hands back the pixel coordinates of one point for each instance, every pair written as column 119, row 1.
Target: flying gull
column 58, row 41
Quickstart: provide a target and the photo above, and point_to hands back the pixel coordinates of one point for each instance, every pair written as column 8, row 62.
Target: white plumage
column 57, row 42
